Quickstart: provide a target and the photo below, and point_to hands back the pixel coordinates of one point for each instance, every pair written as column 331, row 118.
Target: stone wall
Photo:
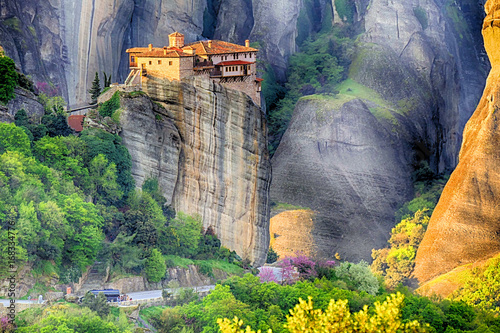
column 248, row 86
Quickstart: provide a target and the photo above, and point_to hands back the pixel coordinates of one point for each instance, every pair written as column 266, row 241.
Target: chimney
column 247, row 42
column 150, row 47
column 210, row 44
column 164, row 50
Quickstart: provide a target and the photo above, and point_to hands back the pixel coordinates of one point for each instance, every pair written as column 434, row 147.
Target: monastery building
column 231, row 65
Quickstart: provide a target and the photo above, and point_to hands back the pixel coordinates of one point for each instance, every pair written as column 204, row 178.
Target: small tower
column 176, row 39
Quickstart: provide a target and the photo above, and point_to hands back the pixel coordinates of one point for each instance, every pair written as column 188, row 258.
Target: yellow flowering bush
column 304, row 318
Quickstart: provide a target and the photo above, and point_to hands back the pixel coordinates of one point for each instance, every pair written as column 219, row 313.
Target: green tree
column 85, row 234
column 97, row 303
column 272, row 256
column 101, row 142
column 396, row 263
column 107, row 80
column 56, row 124
column 95, row 90
column 188, row 230
column 8, row 79
column 358, row 276
column 125, row 255
column 21, row 118
column 155, row 267
column 103, row 179
column 13, row 138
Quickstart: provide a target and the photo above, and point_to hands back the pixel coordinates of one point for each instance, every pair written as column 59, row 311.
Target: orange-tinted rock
column 465, row 226
column 291, row 232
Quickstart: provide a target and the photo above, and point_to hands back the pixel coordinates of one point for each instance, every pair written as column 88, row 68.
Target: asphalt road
column 138, row 295
column 6, row 302
column 157, row 293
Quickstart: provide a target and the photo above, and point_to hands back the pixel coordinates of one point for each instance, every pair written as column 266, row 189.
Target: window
column 170, row 63
column 250, row 55
column 132, row 59
column 245, row 55
column 159, row 62
column 150, row 62
column 236, row 56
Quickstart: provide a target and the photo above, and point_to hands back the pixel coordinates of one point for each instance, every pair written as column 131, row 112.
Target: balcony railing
column 133, row 64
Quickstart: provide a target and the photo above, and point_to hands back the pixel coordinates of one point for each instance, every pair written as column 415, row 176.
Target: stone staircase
column 95, row 279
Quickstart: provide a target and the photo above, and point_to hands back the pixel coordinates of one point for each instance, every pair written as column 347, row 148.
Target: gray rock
column 343, row 163
column 153, row 142
column 25, row 100
column 207, row 146
column 275, row 25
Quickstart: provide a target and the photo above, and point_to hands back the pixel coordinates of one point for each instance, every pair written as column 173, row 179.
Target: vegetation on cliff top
column 321, row 64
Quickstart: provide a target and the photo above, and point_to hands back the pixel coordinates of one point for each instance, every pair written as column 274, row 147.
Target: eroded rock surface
column 208, row 148
column 342, row 163
column 464, row 227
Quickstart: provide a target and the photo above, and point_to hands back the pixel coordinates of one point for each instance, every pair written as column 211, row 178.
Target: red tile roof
column 233, row 62
column 259, row 79
column 76, row 122
column 219, row 47
column 157, row 52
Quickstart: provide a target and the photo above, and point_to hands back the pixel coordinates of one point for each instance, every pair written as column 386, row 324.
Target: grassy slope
column 446, row 284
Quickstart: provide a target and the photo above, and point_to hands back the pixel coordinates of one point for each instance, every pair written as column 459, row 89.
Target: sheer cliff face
column 208, row 148
column 355, row 172
column 348, row 167
column 464, row 227
column 72, row 40
column 440, row 69
column 31, row 35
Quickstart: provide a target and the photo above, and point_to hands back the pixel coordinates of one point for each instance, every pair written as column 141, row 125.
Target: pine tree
column 95, row 90
column 107, row 80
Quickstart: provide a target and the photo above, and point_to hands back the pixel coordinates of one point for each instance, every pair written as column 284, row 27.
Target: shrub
column 358, row 277
column 110, row 106
column 97, row 303
column 345, row 9
column 8, row 79
column 155, row 268
column 272, row 256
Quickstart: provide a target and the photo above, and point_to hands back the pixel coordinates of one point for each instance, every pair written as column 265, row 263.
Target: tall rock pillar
column 465, row 226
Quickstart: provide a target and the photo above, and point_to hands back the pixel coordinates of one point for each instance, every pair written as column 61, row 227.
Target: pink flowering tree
column 287, row 271
column 46, row 88
column 266, row 274
column 5, row 325
column 305, row 265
